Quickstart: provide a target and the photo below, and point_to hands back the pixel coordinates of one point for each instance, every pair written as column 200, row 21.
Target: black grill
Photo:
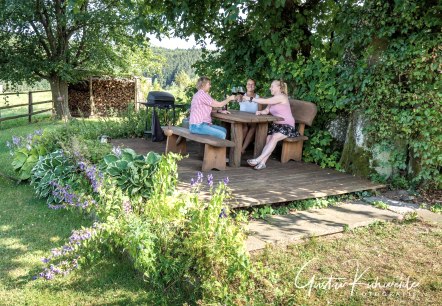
column 160, row 99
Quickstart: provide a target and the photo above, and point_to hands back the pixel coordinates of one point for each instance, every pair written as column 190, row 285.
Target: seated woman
column 279, row 106
column 200, row 121
column 251, row 107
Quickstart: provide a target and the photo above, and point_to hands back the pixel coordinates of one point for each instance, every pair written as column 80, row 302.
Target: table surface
column 244, row 117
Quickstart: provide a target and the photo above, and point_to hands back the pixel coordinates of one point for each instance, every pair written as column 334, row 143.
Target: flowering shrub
column 179, row 241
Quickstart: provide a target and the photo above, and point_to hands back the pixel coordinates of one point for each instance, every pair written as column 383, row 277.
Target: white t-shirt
column 249, row 107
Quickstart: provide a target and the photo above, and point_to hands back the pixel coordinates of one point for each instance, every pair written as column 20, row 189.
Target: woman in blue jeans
column 200, row 121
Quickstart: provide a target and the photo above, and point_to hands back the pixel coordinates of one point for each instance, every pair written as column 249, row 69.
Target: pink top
column 200, row 108
column 283, row 110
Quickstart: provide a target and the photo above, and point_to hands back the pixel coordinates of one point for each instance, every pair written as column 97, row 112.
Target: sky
column 174, row 43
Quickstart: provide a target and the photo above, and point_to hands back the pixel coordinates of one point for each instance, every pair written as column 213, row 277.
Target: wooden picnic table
column 237, row 119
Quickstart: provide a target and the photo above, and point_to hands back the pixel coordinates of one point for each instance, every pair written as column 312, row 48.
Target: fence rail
column 30, row 105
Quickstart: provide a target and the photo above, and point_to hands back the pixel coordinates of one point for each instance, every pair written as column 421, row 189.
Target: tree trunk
column 355, row 156
column 59, row 90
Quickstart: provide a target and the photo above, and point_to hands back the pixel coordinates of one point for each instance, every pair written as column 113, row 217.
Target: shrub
column 180, row 242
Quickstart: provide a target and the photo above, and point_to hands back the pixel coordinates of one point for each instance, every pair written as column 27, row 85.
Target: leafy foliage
column 26, row 152
column 54, row 167
column 132, row 172
column 67, row 41
column 379, row 58
column 180, row 242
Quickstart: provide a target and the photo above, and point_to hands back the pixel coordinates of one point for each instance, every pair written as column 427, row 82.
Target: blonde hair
column 202, row 81
column 282, row 86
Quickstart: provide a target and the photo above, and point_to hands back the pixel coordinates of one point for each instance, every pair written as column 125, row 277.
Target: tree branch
column 44, row 19
column 41, row 40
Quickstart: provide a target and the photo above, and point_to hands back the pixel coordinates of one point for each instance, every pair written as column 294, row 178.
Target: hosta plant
column 132, row 172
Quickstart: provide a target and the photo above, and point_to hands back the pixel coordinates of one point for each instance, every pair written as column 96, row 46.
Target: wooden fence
column 30, row 106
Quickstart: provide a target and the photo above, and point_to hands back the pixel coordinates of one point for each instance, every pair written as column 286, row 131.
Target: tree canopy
column 66, row 41
column 382, row 59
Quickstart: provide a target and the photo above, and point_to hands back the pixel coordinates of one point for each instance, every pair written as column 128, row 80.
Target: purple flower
column 56, row 252
column 223, row 214
column 127, row 207
column 16, row 140
column 200, row 177
column 210, row 180
column 226, row 180
column 38, row 132
column 45, row 260
column 192, row 182
column 81, row 165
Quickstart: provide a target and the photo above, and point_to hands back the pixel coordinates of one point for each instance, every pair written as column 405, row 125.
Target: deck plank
column 277, row 183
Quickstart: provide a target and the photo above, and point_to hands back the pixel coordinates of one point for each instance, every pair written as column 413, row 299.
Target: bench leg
column 175, row 146
column 214, row 158
column 291, row 150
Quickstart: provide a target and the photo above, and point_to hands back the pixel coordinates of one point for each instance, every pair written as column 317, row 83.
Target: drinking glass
column 240, row 90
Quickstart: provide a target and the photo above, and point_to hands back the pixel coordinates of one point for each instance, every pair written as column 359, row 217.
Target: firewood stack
column 108, row 95
column 79, row 102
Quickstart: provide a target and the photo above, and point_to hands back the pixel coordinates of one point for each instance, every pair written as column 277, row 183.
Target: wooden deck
column 276, row 184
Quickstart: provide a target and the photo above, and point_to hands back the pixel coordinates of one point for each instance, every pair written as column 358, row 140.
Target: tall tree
column 65, row 41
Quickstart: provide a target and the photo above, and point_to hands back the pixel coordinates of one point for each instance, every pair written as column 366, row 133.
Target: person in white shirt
column 250, row 107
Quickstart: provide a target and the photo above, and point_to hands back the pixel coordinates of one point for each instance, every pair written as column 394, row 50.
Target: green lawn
column 391, row 252
column 15, row 99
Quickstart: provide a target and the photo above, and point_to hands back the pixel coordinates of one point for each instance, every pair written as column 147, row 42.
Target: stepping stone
column 394, row 205
column 283, row 229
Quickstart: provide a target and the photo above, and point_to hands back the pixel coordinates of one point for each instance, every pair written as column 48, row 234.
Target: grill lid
column 160, row 97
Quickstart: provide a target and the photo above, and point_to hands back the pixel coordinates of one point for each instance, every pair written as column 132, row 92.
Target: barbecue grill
column 160, row 100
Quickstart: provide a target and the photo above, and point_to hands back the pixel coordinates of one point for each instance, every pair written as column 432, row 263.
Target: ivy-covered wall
column 379, row 62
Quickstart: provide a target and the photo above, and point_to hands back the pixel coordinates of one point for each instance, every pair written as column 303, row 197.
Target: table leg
column 260, row 138
column 236, row 136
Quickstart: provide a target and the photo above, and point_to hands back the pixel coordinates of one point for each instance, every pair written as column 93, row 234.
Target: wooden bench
column 214, row 148
column 304, row 113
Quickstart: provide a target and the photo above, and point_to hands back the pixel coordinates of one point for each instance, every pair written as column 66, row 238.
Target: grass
column 15, row 99
column 390, row 251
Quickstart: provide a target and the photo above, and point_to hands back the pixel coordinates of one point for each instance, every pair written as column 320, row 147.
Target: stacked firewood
column 109, row 96
column 79, row 99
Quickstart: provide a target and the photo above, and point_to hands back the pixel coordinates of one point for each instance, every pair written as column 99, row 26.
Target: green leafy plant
column 262, row 212
column 177, row 240
column 132, row 172
column 436, row 208
column 318, row 149
column 55, row 167
column 380, row 205
column 26, row 152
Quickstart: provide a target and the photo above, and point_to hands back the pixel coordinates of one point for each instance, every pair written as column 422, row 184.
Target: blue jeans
column 208, row 129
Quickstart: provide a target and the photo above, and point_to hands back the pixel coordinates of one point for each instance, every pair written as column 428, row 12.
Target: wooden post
column 91, row 97
column 137, row 82
column 30, row 107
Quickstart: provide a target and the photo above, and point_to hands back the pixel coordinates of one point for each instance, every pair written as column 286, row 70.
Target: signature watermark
column 373, row 287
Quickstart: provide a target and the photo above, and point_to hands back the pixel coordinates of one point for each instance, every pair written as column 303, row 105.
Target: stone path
column 284, row 229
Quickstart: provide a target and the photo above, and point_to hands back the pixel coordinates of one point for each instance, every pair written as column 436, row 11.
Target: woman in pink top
column 200, row 121
column 279, row 106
